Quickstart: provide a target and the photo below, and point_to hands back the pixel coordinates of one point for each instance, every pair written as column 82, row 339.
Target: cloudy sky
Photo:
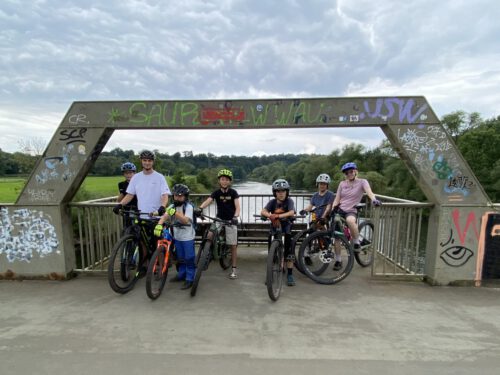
column 55, row 52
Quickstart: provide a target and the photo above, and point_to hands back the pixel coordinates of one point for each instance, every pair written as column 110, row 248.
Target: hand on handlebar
column 158, row 230
column 376, row 203
column 302, row 212
column 117, row 208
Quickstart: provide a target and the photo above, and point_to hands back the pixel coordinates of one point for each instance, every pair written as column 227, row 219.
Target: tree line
column 477, row 140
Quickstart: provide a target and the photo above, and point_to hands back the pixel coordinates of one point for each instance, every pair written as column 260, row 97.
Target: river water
column 253, row 205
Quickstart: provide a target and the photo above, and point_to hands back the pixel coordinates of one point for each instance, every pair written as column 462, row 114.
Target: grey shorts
column 231, row 234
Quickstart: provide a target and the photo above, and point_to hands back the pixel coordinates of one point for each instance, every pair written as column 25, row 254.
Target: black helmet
column 180, row 189
column 281, row 184
column 146, row 154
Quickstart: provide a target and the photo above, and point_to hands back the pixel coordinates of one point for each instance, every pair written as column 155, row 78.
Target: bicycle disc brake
column 325, row 256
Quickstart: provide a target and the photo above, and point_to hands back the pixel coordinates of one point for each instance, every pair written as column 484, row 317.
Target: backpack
column 194, row 223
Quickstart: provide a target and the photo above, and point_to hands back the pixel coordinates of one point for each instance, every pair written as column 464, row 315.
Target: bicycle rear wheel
column 274, row 275
column 321, row 250
column 225, row 256
column 157, row 272
column 365, row 255
column 202, row 265
column 124, row 262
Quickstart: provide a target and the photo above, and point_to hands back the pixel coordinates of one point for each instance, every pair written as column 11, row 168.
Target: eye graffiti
column 456, row 255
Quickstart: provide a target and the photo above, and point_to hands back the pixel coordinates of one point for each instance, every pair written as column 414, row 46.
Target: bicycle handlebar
column 263, row 218
column 225, row 222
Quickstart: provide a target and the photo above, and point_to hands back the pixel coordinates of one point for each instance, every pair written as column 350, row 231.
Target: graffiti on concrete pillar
column 25, row 233
column 432, row 154
column 455, row 253
column 64, row 165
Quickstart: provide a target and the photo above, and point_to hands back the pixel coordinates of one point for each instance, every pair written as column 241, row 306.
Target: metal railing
column 400, row 231
column 400, row 239
column 96, row 229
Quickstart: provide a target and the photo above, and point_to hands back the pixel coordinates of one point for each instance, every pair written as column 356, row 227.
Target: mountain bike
column 161, row 261
column 364, row 254
column 312, row 226
column 326, row 256
column 213, row 247
column 275, row 264
column 129, row 256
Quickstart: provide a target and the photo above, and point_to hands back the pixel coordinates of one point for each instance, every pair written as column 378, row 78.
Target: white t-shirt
column 148, row 189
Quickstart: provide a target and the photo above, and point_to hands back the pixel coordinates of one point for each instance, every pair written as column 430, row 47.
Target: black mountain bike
column 129, row 256
column 213, row 247
column 312, row 226
column 275, row 265
column 326, row 256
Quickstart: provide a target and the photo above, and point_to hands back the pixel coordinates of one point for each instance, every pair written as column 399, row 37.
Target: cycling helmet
column 281, row 184
column 128, row 166
column 225, row 172
column 348, row 166
column 180, row 189
column 323, row 177
column 146, row 154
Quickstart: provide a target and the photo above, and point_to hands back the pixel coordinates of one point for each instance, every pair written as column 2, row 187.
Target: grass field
column 92, row 188
column 10, row 189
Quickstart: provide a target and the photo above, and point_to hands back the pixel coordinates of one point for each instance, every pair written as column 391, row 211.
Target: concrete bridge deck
column 359, row 326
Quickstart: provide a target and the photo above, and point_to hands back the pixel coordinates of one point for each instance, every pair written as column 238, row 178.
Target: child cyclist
column 128, row 169
column 228, row 208
column 322, row 200
column 349, row 194
column 181, row 212
column 280, row 209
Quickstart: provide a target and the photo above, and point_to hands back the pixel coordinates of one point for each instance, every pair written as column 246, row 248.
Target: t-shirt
column 284, row 206
column 184, row 233
column 351, row 193
column 148, row 189
column 226, row 206
column 122, row 188
column 318, row 200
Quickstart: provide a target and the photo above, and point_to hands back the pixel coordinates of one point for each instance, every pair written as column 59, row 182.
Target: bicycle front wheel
column 123, row 267
column 330, row 260
column 202, row 265
column 274, row 275
column 157, row 272
column 225, row 257
column 364, row 256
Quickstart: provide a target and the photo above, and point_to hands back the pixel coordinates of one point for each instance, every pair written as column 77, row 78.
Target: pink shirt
column 351, row 193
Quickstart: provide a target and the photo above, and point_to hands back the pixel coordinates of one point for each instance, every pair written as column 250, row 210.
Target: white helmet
column 323, row 177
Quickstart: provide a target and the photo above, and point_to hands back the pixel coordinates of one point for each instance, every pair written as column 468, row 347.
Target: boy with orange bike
column 278, row 210
column 181, row 211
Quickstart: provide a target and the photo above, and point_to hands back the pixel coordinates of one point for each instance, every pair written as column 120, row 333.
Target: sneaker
column 187, row 285
column 233, row 274
column 176, row 279
column 290, row 280
column 337, row 266
column 357, row 247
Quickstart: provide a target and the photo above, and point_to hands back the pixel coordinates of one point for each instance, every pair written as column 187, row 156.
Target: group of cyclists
column 148, row 191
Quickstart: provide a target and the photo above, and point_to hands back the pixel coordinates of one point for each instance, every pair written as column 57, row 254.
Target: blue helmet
column 128, row 166
column 348, row 166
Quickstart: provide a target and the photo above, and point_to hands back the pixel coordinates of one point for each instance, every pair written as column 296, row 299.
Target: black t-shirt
column 283, row 206
column 225, row 203
column 122, row 188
